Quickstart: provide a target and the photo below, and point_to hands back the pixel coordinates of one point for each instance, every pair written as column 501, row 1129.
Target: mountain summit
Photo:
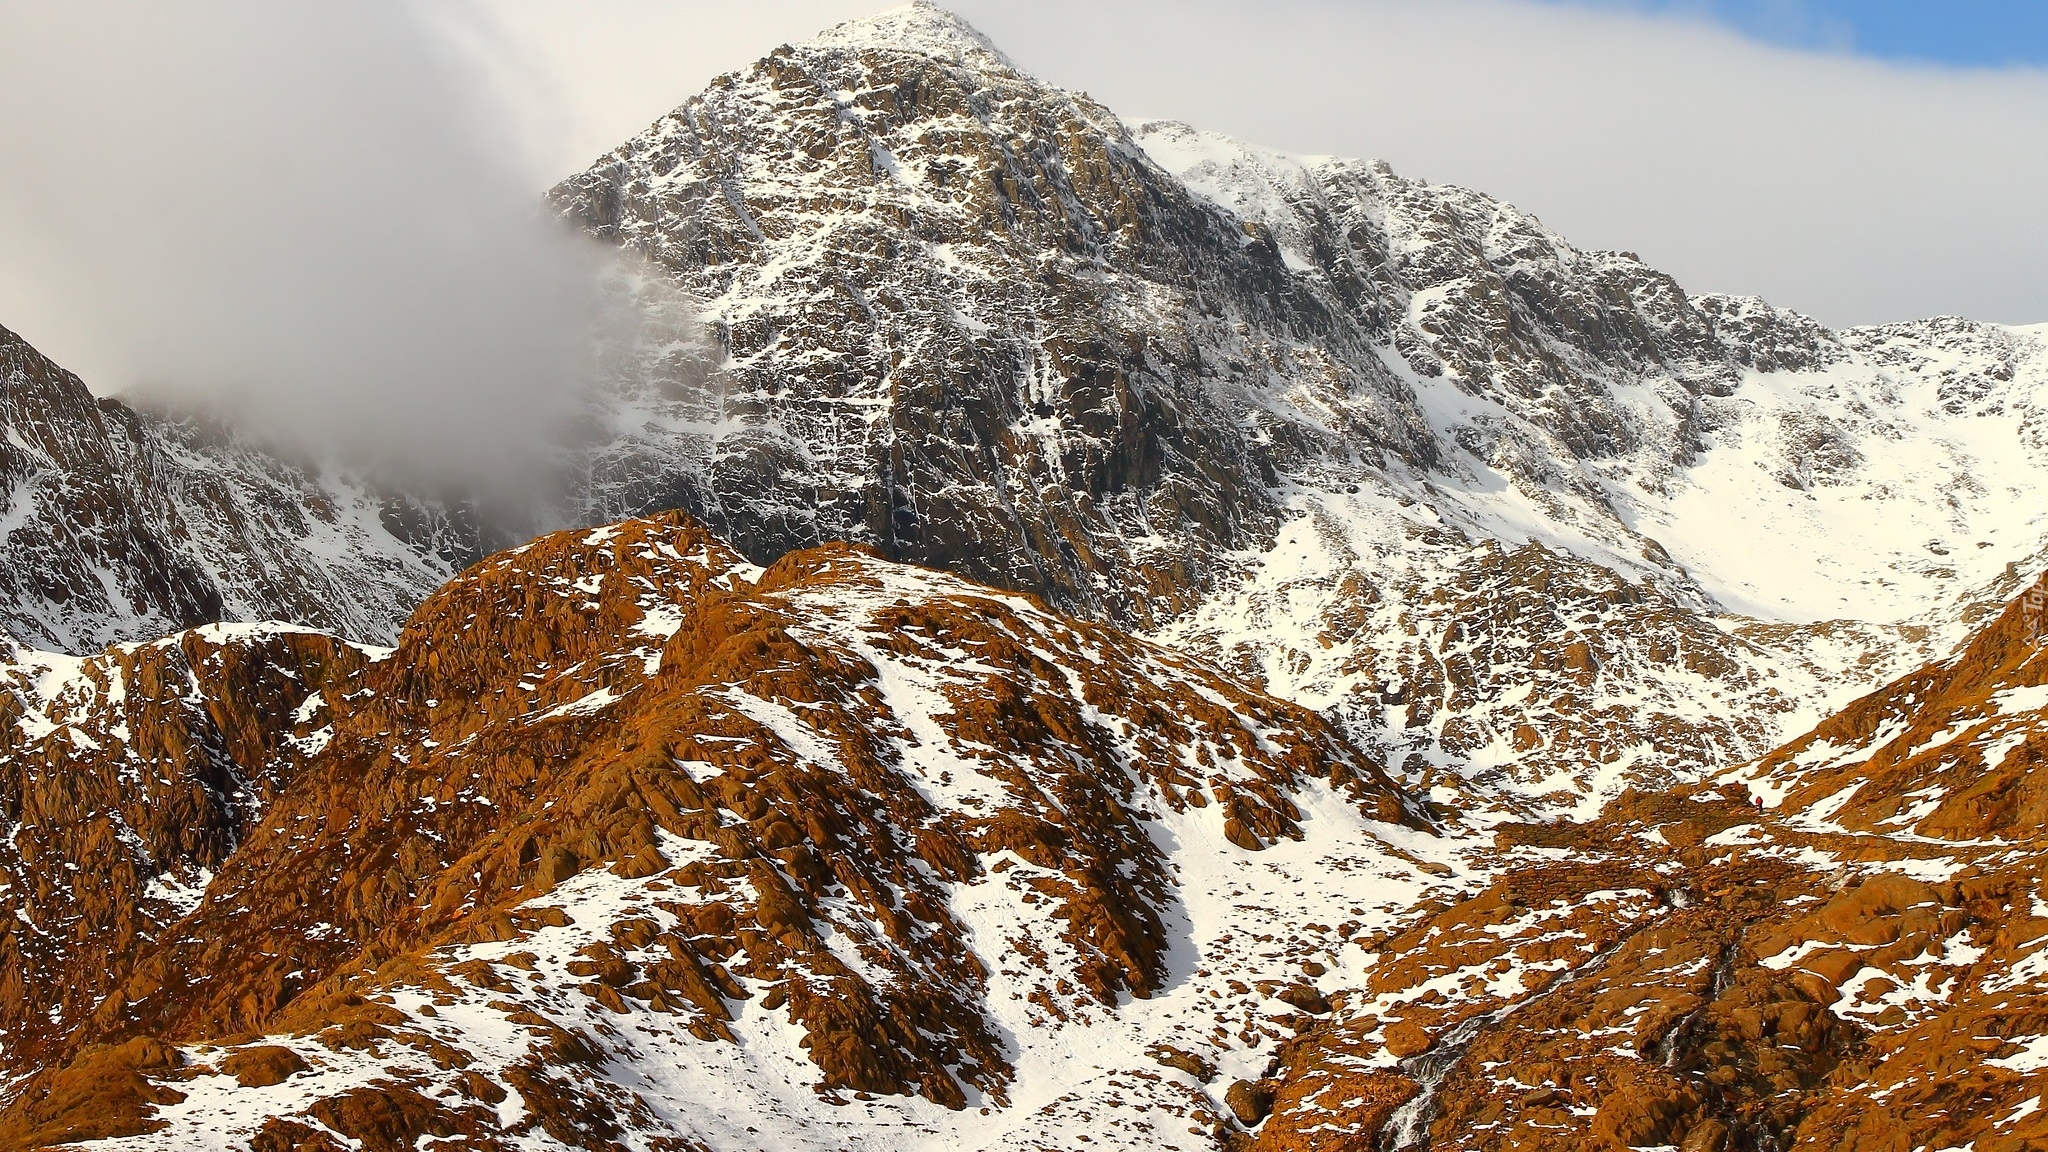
column 1315, row 419
column 919, row 28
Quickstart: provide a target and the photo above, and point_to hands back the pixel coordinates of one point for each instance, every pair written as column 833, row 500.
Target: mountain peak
column 918, row 27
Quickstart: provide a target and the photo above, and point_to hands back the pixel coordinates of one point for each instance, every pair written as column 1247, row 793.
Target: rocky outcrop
column 1522, row 680
column 624, row 779
column 1950, row 752
column 1436, row 529
column 127, row 780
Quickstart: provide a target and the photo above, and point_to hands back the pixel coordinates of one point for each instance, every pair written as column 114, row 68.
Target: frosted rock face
column 122, row 525
column 962, row 316
column 1529, row 520
column 981, row 323
column 1303, row 415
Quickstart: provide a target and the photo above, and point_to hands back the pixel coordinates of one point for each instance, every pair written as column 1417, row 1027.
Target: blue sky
column 1970, row 33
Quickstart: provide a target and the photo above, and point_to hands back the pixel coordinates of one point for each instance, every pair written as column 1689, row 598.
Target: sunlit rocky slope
column 630, row 843
column 622, row 805
column 1082, row 635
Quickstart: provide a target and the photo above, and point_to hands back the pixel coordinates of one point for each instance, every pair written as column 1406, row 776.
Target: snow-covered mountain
column 1327, row 424
column 1266, row 405
column 1526, row 518
column 1620, row 427
column 1322, row 663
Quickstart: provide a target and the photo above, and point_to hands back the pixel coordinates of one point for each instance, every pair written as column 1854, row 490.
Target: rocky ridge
column 867, row 219
column 836, row 834
column 130, row 779
column 633, row 844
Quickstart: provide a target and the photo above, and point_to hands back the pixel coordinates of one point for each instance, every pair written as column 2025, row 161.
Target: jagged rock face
column 1525, row 680
column 621, row 800
column 930, row 271
column 1612, row 404
column 895, row 202
column 640, row 839
column 1674, row 460
column 120, row 525
column 1773, row 1009
column 633, row 844
column 961, row 316
column 1470, row 290
column 126, row 781
column 1170, row 380
column 1557, row 326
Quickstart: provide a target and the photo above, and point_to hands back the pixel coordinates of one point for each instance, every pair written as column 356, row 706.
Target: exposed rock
column 263, row 1065
column 128, row 780
column 730, row 786
column 1512, row 511
column 1806, row 977
column 623, row 808
column 1250, row 1101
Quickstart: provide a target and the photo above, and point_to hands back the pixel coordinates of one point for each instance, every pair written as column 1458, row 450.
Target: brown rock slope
column 631, row 844
column 126, row 780
column 1855, row 965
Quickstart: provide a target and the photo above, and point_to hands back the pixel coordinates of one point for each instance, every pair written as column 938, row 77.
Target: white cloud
column 310, row 213
column 583, row 75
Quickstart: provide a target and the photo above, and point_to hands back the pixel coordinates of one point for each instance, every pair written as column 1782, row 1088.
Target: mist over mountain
column 312, row 218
